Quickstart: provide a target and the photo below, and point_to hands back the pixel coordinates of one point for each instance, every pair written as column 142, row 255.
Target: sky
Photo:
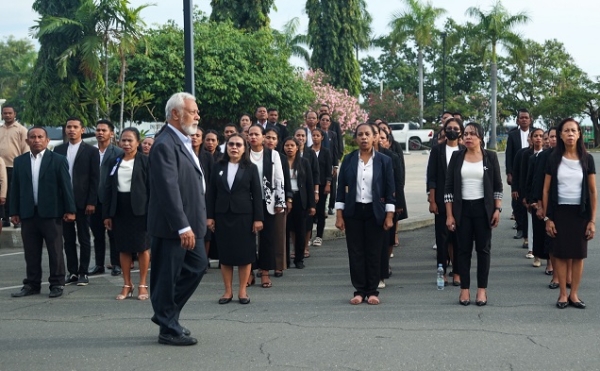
column 570, row 22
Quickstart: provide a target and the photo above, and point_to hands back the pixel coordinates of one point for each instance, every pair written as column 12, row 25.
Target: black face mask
column 452, row 135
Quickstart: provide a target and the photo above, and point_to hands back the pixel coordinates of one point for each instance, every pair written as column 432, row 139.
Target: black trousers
column 6, row 216
column 296, row 222
column 176, row 273
column 320, row 213
column 333, row 192
column 35, row 231
column 266, row 242
column 99, row 232
column 539, row 237
column 520, row 212
column 364, row 240
column 79, row 265
column 474, row 226
column 388, row 240
column 443, row 237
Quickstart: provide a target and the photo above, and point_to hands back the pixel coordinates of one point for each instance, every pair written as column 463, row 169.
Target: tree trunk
column 122, row 77
column 420, row 54
column 106, row 90
column 494, row 115
column 596, row 124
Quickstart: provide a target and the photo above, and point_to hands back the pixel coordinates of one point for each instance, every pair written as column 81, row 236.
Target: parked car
column 411, row 131
column 57, row 137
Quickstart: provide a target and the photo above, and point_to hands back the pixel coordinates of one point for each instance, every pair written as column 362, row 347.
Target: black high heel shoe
column 481, row 303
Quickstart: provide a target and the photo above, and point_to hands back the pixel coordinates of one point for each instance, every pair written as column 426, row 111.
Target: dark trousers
column 520, row 213
column 266, row 242
column 320, row 213
column 34, row 232
column 443, row 237
column 364, row 240
column 538, row 227
column 388, row 241
column 296, row 222
column 6, row 216
column 474, row 226
column 176, row 273
column 75, row 265
column 99, row 232
column 333, row 192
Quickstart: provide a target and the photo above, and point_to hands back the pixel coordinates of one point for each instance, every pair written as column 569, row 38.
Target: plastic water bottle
column 440, row 277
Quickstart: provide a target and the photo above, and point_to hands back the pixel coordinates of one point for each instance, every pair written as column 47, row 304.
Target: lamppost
column 444, row 72
column 2, row 101
column 188, row 40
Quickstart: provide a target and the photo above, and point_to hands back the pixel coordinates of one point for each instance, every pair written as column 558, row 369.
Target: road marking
column 46, row 283
column 12, row 253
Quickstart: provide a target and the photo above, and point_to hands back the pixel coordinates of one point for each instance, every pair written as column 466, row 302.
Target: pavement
column 304, row 322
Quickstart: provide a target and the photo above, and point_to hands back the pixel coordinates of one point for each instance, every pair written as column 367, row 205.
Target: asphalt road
column 305, row 322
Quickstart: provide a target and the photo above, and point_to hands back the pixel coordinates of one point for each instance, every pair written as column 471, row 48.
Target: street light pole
column 444, row 72
column 188, row 39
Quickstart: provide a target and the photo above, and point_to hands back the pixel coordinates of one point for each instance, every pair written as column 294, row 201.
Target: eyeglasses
column 452, row 129
column 470, row 133
column 235, row 144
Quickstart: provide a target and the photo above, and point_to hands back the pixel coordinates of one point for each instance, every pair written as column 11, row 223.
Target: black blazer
column 140, row 191
column 207, row 162
column 517, row 171
column 325, row 166
column 306, row 185
column 110, row 155
column 313, row 162
column 399, row 181
column 539, row 174
column 244, row 196
column 513, row 144
column 86, row 173
column 492, row 183
column 331, row 139
column 286, row 176
column 55, row 192
column 552, row 169
column 175, row 202
column 383, row 184
column 436, row 173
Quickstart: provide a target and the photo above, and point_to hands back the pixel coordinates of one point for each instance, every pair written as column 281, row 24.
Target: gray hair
column 177, row 102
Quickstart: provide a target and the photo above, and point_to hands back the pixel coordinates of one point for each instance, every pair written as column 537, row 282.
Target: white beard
column 190, row 130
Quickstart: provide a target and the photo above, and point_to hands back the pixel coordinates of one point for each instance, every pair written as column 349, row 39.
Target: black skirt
column 570, row 242
column 235, row 240
column 129, row 230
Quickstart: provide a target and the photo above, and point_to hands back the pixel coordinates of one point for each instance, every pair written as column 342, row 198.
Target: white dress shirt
column 524, row 136
column 36, row 164
column 71, row 154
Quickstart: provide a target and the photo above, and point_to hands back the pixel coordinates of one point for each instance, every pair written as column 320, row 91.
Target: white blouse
column 232, row 169
column 472, row 180
column 570, row 180
column 124, row 175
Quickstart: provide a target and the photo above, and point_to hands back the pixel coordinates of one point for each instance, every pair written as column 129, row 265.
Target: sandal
column 356, row 300
column 278, row 274
column 142, row 296
column 306, row 254
column 129, row 293
column 252, row 282
column 265, row 285
column 373, row 300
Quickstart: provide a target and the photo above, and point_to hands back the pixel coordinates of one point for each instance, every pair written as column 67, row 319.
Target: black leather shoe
column 577, row 304
column 71, row 279
column 465, row 302
column 184, row 330
column 553, row 285
column 225, row 300
column 55, row 291
column 176, row 340
column 96, row 269
column 299, row 265
column 330, row 211
column 116, row 271
column 562, row 304
column 519, row 235
column 26, row 290
column 244, row 300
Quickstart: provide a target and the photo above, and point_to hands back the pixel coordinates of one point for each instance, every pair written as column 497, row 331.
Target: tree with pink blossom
column 344, row 107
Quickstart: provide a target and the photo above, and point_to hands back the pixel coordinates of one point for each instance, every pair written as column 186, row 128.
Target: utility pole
column 188, row 40
column 444, row 72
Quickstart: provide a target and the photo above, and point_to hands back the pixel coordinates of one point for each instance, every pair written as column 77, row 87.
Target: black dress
column 129, row 230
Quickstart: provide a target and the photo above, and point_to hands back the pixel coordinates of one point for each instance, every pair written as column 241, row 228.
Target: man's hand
column 15, row 219
column 515, row 195
column 108, row 224
column 509, row 179
column 257, row 227
column 327, row 189
column 69, row 217
column 90, row 209
column 210, row 224
column 188, row 240
column 312, row 211
column 2, row 200
column 339, row 223
column 388, row 222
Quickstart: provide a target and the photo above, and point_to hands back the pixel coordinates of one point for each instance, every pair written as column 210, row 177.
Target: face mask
column 452, row 135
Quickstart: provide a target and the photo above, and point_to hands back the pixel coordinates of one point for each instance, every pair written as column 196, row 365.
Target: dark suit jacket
column 325, row 166
column 513, row 144
column 492, row 183
column 399, row 181
column 175, row 202
column 207, row 161
column 86, row 173
column 139, row 188
column 383, row 184
column 436, row 173
column 108, row 161
column 306, row 185
column 286, row 176
column 517, row 170
column 539, row 175
column 55, row 192
column 244, row 196
column 336, row 154
column 313, row 161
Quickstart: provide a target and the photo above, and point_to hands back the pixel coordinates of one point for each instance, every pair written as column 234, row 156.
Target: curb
column 410, row 224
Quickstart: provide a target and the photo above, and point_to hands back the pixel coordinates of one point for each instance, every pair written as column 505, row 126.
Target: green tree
column 334, row 32
column 495, row 29
column 290, row 38
column 250, row 15
column 417, row 23
column 16, row 65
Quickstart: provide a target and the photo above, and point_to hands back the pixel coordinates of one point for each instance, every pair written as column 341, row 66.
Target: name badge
column 112, row 172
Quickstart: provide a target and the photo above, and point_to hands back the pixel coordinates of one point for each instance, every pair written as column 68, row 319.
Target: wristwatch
column 546, row 218
column 498, row 208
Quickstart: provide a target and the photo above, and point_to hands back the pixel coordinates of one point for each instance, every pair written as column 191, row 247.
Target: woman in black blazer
column 365, row 216
column 473, row 197
column 234, row 213
column 125, row 208
column 325, row 172
column 439, row 157
column 303, row 199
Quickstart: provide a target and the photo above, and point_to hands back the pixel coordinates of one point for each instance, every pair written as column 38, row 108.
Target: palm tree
column 494, row 29
column 416, row 23
column 294, row 41
column 364, row 30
